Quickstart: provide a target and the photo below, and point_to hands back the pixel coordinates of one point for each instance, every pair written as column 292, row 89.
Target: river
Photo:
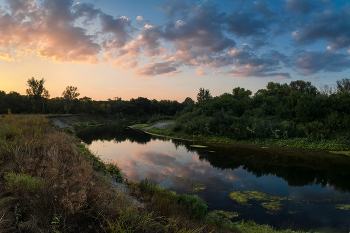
column 295, row 189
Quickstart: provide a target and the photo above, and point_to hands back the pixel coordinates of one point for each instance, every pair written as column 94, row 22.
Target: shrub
column 113, row 170
column 69, row 130
column 20, row 182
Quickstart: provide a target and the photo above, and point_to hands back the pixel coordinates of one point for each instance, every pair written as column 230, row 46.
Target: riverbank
column 170, row 129
column 50, row 182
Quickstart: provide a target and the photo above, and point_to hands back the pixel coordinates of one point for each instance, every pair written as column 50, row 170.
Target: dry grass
column 46, row 184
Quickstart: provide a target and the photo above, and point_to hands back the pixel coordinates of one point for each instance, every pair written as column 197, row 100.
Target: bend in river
column 296, row 189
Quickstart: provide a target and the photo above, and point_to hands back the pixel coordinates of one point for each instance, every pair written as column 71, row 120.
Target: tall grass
column 46, row 184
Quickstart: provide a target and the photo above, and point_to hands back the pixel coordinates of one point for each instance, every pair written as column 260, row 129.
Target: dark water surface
column 310, row 184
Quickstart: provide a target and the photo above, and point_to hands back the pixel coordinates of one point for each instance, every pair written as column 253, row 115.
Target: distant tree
column 87, row 105
column 188, row 101
column 343, row 85
column 69, row 95
column 37, row 93
column 303, row 87
column 203, row 95
column 240, row 93
column 327, row 90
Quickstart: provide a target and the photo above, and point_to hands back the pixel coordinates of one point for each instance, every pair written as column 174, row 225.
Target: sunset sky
column 168, row 49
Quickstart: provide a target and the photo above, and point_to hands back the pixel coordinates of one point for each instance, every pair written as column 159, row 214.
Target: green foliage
column 69, row 94
column 37, row 92
column 69, row 130
column 203, row 94
column 130, row 221
column 158, row 117
column 192, row 203
column 114, row 171
column 288, row 115
column 20, row 183
column 110, row 168
column 195, row 204
column 94, row 160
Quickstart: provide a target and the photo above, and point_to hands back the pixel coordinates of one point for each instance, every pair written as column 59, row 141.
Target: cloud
column 48, row 30
column 201, row 35
column 329, row 25
column 6, row 55
column 200, row 71
column 247, row 64
column 156, row 69
column 119, row 28
column 310, row 62
column 246, row 24
column 301, row 6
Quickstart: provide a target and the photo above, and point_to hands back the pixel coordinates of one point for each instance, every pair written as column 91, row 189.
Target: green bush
column 194, row 204
column 69, row 130
column 23, row 183
column 114, row 171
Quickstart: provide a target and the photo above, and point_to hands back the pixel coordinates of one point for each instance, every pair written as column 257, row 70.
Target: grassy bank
column 52, row 183
column 297, row 143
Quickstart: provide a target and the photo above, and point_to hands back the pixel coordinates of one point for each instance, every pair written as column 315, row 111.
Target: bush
column 20, row 182
column 114, row 171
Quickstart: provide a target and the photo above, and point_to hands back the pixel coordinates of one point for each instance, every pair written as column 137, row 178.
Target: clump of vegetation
column 273, row 206
column 158, row 117
column 244, row 197
column 342, row 206
column 23, row 183
column 171, row 202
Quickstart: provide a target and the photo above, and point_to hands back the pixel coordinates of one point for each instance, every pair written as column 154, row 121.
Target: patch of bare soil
column 160, row 125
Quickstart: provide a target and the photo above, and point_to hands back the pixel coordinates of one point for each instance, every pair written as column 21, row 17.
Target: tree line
column 280, row 111
column 37, row 100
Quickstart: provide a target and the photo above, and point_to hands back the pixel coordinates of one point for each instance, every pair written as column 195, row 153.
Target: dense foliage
column 141, row 106
column 281, row 111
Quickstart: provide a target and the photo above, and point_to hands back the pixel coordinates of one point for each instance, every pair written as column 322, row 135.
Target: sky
column 168, row 49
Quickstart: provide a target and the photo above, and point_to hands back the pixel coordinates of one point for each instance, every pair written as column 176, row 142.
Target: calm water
column 314, row 185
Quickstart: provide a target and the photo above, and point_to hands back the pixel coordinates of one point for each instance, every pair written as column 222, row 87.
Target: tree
column 343, row 85
column 203, row 95
column 240, row 93
column 327, row 90
column 37, row 92
column 188, row 102
column 69, row 95
column 303, row 87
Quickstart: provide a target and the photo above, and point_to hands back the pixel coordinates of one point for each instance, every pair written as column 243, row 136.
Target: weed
column 69, row 130
column 114, row 171
column 20, row 183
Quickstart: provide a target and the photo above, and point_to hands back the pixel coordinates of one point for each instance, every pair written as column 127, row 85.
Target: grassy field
column 50, row 182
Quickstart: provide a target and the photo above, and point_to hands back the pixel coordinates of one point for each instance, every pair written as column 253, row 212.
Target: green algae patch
column 198, row 146
column 272, row 207
column 342, row 207
column 226, row 214
column 244, row 197
column 239, row 197
column 197, row 186
column 347, row 153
